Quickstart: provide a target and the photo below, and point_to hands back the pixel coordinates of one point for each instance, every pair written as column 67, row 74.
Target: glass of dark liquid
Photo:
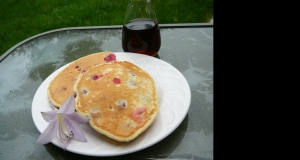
column 141, row 33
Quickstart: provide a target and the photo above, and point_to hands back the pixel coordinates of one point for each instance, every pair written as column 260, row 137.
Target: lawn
column 22, row 19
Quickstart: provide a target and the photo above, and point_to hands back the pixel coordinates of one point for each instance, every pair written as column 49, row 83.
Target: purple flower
column 63, row 123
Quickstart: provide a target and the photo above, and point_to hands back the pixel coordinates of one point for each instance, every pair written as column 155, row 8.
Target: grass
column 22, row 19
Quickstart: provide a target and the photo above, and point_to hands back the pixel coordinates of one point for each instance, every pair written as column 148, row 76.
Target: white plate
column 174, row 102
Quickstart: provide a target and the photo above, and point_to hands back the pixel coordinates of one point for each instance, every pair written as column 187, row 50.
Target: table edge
column 180, row 25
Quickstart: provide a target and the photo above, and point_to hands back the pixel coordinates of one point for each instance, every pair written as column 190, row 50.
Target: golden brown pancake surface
column 119, row 98
column 61, row 87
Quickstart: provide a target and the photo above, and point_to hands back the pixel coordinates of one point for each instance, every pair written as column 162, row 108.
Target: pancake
column 62, row 85
column 120, row 99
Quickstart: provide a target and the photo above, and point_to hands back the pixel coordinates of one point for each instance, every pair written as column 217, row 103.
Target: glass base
column 157, row 56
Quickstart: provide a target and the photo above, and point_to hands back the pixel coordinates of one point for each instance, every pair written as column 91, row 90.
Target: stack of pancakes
column 119, row 97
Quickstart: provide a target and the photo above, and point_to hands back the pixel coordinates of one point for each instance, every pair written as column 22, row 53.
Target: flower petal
column 48, row 134
column 74, row 127
column 65, row 145
column 78, row 117
column 68, row 106
column 50, row 115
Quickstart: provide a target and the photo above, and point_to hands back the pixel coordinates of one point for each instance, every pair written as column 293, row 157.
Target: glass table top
column 25, row 66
